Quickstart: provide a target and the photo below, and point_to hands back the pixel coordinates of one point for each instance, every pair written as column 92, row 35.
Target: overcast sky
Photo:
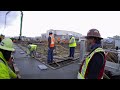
column 37, row 22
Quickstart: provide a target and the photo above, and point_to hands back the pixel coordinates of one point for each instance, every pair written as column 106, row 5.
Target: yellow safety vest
column 72, row 44
column 5, row 71
column 33, row 47
column 86, row 62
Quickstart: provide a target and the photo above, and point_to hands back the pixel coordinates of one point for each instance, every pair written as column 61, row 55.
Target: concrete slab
column 22, row 52
column 42, row 67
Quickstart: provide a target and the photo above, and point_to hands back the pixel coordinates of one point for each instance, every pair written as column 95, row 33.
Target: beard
column 88, row 48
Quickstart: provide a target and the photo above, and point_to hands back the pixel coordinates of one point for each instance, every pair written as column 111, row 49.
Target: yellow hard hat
column 7, row 44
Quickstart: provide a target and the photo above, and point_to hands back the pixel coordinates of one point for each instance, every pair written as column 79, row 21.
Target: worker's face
column 90, row 42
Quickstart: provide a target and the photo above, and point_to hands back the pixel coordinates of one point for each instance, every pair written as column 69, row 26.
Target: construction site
column 61, row 50
column 63, row 67
column 61, row 53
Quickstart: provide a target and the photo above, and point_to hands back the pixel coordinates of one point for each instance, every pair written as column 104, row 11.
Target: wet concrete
column 29, row 68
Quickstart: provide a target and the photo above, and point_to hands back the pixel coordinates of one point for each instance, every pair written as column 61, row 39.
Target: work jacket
column 72, row 42
column 5, row 71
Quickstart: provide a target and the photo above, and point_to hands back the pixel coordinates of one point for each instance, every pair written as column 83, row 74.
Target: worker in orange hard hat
column 93, row 65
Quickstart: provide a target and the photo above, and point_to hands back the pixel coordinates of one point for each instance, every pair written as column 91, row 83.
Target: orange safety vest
column 52, row 41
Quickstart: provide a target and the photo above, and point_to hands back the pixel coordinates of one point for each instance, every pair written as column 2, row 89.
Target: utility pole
column 5, row 18
column 21, row 20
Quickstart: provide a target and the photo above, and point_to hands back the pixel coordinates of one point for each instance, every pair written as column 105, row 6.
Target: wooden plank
column 56, row 62
column 105, row 76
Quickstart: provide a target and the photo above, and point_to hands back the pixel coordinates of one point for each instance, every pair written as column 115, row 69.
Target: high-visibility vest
column 5, row 71
column 81, row 74
column 52, row 41
column 33, row 47
column 72, row 44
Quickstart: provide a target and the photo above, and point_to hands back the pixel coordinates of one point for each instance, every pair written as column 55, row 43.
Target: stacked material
column 113, row 57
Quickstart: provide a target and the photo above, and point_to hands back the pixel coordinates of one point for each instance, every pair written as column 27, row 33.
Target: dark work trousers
column 50, row 55
column 72, row 51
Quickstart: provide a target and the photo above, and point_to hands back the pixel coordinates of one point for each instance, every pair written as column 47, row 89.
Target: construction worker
column 51, row 46
column 32, row 49
column 93, row 65
column 6, row 48
column 58, row 40
column 72, row 45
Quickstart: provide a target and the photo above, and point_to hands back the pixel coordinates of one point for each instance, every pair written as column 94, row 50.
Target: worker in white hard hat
column 6, row 48
column 72, row 45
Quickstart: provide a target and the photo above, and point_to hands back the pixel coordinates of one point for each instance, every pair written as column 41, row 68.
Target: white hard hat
column 7, row 44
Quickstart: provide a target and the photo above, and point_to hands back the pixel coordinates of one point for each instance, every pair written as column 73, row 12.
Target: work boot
column 48, row 62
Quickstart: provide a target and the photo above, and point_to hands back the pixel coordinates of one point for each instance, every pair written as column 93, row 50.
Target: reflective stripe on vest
column 81, row 75
column 72, row 44
column 52, row 41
